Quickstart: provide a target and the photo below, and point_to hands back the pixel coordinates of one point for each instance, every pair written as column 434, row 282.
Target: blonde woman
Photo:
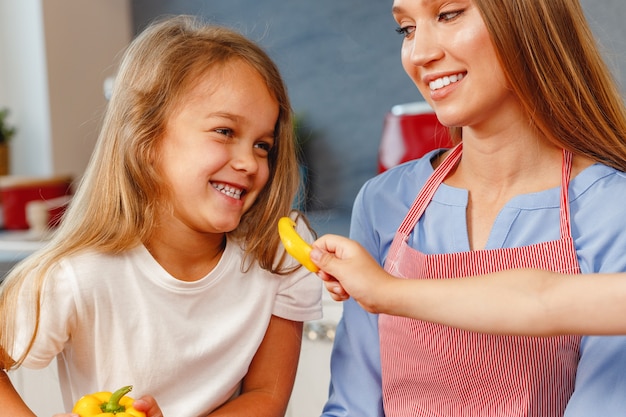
column 166, row 272
column 535, row 182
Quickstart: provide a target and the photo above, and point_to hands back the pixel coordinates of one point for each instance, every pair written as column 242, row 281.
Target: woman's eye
column 448, row 16
column 405, row 31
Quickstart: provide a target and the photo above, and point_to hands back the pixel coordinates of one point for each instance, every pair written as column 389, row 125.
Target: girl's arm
column 527, row 302
column 12, row 403
column 14, row 406
column 267, row 385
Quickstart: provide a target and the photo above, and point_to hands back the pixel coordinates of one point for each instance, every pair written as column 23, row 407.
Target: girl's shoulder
column 97, row 258
column 91, row 266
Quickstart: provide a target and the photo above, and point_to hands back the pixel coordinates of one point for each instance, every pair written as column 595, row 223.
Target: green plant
column 6, row 130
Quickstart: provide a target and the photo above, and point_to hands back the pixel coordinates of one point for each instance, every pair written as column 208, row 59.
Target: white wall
column 25, row 84
column 56, row 55
column 83, row 41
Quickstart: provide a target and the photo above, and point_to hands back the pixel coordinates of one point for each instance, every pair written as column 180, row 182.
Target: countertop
column 15, row 246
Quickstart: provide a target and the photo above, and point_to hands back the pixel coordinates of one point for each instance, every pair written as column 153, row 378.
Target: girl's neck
column 187, row 259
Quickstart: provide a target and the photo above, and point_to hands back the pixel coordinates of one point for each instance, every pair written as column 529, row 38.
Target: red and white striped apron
column 434, row 370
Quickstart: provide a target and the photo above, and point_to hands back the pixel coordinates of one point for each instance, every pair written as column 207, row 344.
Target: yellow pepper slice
column 294, row 244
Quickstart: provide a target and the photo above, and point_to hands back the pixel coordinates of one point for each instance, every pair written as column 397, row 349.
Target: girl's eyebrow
column 225, row 115
column 237, row 118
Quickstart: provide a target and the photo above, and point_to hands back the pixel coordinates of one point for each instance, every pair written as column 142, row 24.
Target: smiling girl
column 166, row 272
column 540, row 128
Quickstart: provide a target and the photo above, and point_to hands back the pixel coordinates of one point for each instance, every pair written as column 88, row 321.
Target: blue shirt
column 598, row 220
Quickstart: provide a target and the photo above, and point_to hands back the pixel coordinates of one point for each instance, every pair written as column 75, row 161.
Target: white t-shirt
column 116, row 320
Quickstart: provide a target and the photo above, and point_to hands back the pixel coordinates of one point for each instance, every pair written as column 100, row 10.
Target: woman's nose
column 422, row 48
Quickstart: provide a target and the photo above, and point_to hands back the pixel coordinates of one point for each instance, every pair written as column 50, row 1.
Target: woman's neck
column 514, row 158
column 495, row 170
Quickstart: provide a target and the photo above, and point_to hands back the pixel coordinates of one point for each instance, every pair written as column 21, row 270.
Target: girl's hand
column 148, row 405
column 348, row 270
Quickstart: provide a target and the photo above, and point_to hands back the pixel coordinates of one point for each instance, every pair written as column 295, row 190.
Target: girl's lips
column 229, row 190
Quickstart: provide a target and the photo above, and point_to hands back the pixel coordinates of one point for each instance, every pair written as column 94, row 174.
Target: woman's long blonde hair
column 115, row 205
column 553, row 64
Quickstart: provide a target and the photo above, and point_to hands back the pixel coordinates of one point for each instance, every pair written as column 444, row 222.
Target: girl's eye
column 405, row 31
column 265, row 146
column 224, row 131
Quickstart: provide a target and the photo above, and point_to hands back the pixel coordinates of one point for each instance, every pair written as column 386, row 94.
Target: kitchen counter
column 15, row 246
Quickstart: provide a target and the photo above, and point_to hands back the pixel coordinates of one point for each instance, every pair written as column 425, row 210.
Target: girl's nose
column 244, row 159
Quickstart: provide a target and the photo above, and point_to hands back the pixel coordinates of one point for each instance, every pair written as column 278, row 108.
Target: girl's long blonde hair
column 553, row 64
column 115, row 205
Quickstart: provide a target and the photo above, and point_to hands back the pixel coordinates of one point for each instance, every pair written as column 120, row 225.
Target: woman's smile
column 443, row 44
column 445, row 81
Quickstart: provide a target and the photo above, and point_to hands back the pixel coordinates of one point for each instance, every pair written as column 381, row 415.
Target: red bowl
column 17, row 192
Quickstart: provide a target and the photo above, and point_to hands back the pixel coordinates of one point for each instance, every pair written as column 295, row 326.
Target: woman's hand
column 348, row 270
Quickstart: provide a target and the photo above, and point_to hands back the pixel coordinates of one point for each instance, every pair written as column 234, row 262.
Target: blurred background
column 340, row 60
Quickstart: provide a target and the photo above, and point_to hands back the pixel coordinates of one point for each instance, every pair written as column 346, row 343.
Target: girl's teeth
column 229, row 191
column 444, row 81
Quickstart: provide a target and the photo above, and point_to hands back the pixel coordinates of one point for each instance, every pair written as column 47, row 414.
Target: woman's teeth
column 444, row 81
column 228, row 190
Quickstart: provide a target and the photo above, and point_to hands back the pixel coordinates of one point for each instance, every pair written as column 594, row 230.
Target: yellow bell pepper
column 106, row 404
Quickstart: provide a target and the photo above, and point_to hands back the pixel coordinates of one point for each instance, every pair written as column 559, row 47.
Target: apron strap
column 441, row 172
column 566, row 172
column 429, row 189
